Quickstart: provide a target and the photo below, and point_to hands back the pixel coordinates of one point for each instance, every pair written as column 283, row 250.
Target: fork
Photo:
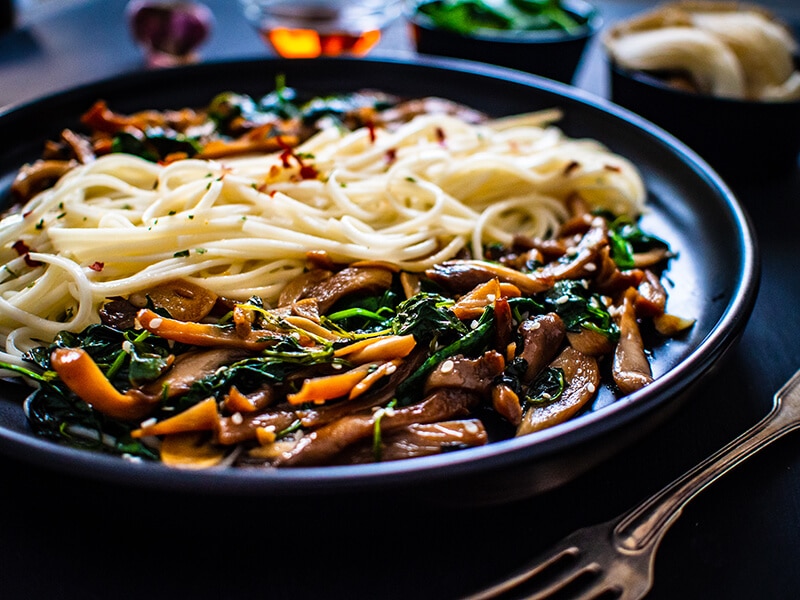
column 615, row 559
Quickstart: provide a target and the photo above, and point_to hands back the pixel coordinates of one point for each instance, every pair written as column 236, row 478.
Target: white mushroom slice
column 711, row 64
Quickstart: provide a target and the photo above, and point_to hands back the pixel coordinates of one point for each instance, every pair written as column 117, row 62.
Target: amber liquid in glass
column 298, row 30
column 308, row 43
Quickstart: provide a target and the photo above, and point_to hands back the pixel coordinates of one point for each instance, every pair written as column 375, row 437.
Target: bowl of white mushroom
column 721, row 76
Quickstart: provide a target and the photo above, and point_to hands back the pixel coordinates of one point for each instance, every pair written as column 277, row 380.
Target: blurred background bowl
column 742, row 140
column 553, row 54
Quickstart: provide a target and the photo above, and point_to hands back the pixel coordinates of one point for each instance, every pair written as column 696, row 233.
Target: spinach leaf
column 626, row 238
column 548, row 387
column 578, row 307
column 477, row 340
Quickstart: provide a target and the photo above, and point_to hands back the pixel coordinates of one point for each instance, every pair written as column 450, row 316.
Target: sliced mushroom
column 420, row 440
column 298, row 287
column 42, row 174
column 630, row 368
column 237, row 429
column 609, row 279
column 506, row 402
column 542, row 337
column 590, row 342
column 183, row 300
column 351, row 280
column 461, row 276
column 79, row 146
column 652, row 297
column 582, row 378
column 472, row 374
column 189, row 368
column 322, row 446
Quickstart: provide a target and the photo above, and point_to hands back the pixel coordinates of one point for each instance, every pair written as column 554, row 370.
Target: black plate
column 715, row 276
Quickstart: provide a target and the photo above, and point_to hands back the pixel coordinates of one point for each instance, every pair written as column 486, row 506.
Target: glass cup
column 311, row 28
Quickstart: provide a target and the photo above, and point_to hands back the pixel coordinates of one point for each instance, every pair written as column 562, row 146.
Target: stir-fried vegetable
column 265, row 386
column 354, row 362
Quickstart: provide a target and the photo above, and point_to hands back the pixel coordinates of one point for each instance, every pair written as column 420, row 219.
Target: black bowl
column 742, row 140
column 552, row 54
column 716, row 276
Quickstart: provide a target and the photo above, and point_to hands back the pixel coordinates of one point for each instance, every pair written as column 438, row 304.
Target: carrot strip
column 321, row 389
column 236, row 401
column 80, row 373
column 203, row 334
column 203, row 416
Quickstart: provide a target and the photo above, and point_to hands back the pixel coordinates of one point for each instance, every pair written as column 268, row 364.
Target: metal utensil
column 615, row 559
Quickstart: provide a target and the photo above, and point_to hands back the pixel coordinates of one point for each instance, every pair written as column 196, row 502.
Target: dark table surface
column 63, row 537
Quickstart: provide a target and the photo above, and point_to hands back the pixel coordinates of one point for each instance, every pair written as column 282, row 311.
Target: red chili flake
column 440, row 135
column 613, row 168
column 23, row 250
column 21, row 247
column 571, row 166
column 285, row 156
column 391, row 155
column 306, row 171
column 97, row 266
column 371, row 129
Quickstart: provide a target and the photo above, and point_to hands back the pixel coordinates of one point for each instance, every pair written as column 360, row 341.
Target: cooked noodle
column 242, row 226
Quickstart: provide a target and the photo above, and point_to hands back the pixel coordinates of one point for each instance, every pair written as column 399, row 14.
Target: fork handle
column 644, row 526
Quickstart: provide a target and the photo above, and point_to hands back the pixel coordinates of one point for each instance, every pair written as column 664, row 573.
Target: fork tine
column 576, row 575
column 558, row 572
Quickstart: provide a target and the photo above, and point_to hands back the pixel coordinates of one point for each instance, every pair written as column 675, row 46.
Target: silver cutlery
column 615, row 559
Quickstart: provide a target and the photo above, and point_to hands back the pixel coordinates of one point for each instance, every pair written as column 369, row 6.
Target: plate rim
column 348, row 478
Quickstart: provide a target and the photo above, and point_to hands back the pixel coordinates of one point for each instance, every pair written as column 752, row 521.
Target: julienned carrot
column 321, row 389
column 203, row 416
column 203, row 334
column 377, row 349
column 80, row 373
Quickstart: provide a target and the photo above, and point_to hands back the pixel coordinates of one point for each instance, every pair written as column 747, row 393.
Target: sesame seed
column 546, row 396
column 471, row 427
column 590, row 387
column 447, row 366
column 148, row 423
column 473, row 325
column 237, row 418
column 156, row 323
column 591, row 267
column 562, row 300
